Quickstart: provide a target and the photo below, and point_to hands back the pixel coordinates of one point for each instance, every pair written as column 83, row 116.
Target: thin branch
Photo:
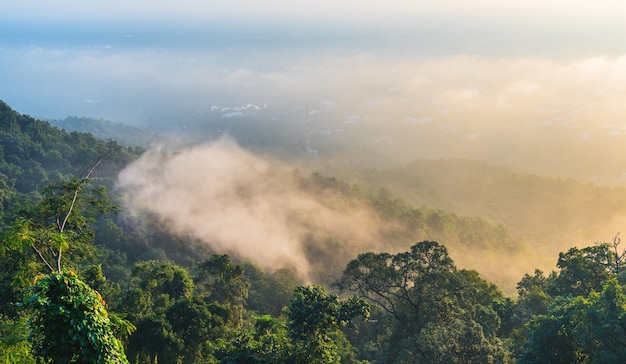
column 75, row 197
column 69, row 211
column 96, row 164
column 42, row 258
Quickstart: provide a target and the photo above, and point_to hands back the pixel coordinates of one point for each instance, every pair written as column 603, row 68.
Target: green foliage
column 195, row 322
column 17, row 237
column 226, row 282
column 579, row 329
column 262, row 347
column 175, row 323
column 180, row 334
column 163, row 279
column 585, row 270
column 314, row 316
column 270, row 293
column 14, row 344
column 459, row 341
column 70, row 322
column 414, row 287
column 430, row 302
column 154, row 342
column 35, row 153
column 311, row 334
column 551, row 338
column 58, row 222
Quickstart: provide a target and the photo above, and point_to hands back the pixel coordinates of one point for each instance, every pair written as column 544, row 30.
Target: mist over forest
column 255, row 160
column 404, row 108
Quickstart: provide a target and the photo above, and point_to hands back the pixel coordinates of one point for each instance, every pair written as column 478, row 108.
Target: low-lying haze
column 238, row 203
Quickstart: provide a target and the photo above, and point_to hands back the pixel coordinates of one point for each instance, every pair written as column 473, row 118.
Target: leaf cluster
column 70, row 322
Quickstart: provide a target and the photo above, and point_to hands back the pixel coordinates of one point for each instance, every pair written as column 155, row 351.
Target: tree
column 175, row 324
column 154, row 342
column 226, row 282
column 72, row 322
column 193, row 321
column 270, row 293
column 163, row 279
column 459, row 341
column 584, row 270
column 415, row 287
column 430, row 302
column 532, row 300
column 603, row 330
column 269, row 344
column 580, row 329
column 14, row 344
column 314, row 317
column 59, row 221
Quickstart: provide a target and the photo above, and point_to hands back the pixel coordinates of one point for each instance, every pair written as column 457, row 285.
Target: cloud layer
column 551, row 115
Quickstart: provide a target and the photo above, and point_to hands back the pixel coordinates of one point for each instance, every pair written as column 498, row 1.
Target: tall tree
column 585, row 270
column 580, row 329
column 70, row 322
column 226, row 282
column 59, row 221
column 430, row 302
column 415, row 287
column 314, row 316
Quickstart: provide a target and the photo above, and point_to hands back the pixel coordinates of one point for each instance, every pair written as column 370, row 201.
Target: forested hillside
column 529, row 204
column 33, row 153
column 106, row 130
column 82, row 281
column 548, row 214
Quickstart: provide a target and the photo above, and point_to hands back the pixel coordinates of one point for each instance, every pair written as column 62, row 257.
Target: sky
column 69, row 44
column 471, row 70
column 554, row 12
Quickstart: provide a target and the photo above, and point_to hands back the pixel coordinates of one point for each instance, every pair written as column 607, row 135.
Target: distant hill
column 106, row 130
column 33, row 153
column 551, row 213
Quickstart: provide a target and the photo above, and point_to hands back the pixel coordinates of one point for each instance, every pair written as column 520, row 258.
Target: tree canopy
column 82, row 284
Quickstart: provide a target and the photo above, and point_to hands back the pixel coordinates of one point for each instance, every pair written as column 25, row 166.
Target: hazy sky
column 530, row 12
column 475, row 69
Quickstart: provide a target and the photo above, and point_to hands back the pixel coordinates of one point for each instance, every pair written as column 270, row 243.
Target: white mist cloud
column 238, row 203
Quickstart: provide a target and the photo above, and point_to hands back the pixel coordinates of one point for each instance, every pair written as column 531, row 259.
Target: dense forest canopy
column 106, row 258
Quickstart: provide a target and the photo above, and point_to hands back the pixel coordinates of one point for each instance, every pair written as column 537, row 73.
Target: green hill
column 33, row 153
column 549, row 214
column 106, row 130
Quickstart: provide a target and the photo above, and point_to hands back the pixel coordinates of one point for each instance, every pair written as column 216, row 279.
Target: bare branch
column 42, row 257
column 87, row 176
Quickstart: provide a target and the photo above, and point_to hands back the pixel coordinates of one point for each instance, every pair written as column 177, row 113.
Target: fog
column 241, row 204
